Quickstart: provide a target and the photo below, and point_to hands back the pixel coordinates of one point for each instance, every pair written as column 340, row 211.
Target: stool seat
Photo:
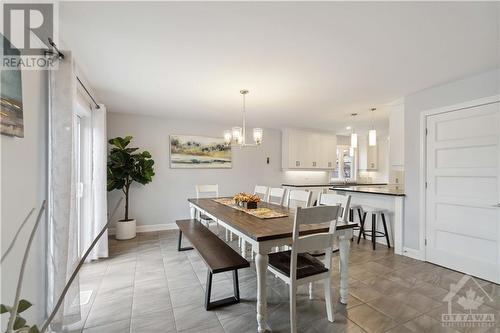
column 372, row 209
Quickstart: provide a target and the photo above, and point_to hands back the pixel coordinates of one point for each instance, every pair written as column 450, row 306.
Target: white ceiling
column 306, row 64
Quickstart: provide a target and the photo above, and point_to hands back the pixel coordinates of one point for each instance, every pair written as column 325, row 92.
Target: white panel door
column 463, row 186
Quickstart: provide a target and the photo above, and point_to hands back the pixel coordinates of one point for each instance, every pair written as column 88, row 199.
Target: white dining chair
column 261, row 191
column 276, row 195
column 299, row 198
column 333, row 199
column 297, row 267
column 207, row 191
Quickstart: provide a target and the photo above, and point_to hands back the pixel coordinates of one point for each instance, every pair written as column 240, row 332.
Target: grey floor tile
column 102, row 314
column 112, row 327
column 158, row 302
column 340, row 325
column 426, row 324
column 194, row 295
column 370, row 319
column 396, row 310
column 192, row 316
column 153, row 322
column 215, row 328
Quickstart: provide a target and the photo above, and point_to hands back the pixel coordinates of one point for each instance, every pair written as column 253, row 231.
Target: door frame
column 423, row 160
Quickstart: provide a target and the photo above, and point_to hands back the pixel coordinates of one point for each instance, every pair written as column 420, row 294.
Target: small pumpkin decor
column 246, row 200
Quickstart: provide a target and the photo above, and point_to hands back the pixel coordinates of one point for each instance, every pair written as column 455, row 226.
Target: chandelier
column 237, row 135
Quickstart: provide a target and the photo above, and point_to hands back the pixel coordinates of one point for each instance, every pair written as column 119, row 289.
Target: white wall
column 164, row 200
column 482, row 85
column 23, row 179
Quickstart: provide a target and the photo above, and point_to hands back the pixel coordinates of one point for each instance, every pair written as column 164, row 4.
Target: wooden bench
column 217, row 255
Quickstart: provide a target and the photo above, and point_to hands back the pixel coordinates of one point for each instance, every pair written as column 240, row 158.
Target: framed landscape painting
column 11, row 98
column 200, row 152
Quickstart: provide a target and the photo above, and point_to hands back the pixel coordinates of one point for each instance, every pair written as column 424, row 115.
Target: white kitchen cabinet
column 328, row 151
column 308, row 150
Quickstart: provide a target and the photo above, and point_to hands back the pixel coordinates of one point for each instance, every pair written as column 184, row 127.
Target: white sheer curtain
column 63, row 253
column 99, row 167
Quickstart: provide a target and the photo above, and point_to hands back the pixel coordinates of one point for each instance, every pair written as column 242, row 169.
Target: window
column 345, row 165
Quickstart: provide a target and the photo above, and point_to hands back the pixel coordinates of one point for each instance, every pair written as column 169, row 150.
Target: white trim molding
column 413, row 253
column 149, row 228
column 423, row 164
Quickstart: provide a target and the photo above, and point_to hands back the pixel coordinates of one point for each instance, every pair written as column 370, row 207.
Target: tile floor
column 147, row 286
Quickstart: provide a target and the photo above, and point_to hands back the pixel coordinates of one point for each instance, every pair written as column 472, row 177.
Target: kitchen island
column 389, row 198
column 316, row 189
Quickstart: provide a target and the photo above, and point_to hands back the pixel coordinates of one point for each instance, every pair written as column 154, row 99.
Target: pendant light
column 372, row 134
column 237, row 135
column 354, row 136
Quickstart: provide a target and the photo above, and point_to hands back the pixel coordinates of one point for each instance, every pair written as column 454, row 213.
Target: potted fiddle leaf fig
column 125, row 166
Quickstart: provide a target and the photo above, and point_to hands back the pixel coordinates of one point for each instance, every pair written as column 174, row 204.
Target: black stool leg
column 179, row 244
column 374, row 226
column 362, row 219
column 385, row 230
column 362, row 227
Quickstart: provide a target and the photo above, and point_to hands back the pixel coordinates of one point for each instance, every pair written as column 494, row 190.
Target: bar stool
column 352, row 210
column 373, row 231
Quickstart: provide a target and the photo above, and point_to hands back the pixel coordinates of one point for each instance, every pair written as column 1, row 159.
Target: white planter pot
column 125, row 229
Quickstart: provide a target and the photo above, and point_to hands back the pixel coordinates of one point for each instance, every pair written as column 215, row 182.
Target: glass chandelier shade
column 237, row 135
column 372, row 134
column 257, row 135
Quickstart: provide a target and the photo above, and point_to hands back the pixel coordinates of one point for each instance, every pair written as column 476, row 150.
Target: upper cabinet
column 308, row 150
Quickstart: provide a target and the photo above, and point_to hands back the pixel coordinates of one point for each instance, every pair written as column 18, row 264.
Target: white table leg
column 261, row 260
column 344, row 245
column 243, row 248
column 192, row 211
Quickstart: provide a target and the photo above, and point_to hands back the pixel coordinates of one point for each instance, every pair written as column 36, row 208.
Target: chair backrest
column 333, row 199
column 314, row 242
column 299, row 198
column 261, row 191
column 276, row 195
column 204, row 191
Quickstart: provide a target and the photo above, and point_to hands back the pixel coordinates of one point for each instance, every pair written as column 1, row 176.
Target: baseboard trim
column 149, row 228
column 412, row 253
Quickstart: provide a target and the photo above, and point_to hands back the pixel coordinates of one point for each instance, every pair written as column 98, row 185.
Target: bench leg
column 225, row 301
column 179, row 244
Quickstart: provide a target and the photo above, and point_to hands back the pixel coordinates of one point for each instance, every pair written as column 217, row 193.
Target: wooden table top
column 262, row 229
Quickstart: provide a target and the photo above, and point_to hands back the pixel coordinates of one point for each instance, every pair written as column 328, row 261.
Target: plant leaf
column 23, row 305
column 19, row 323
column 34, row 329
column 4, row 308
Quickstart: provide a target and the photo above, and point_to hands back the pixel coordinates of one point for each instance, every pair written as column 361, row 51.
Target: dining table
column 265, row 234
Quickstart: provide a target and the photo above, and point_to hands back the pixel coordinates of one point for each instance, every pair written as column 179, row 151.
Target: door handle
column 497, row 205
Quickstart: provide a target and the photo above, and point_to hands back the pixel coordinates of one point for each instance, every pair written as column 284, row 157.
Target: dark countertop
column 393, row 190
column 334, row 185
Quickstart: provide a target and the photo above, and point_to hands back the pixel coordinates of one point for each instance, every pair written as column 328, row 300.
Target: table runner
column 261, row 213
